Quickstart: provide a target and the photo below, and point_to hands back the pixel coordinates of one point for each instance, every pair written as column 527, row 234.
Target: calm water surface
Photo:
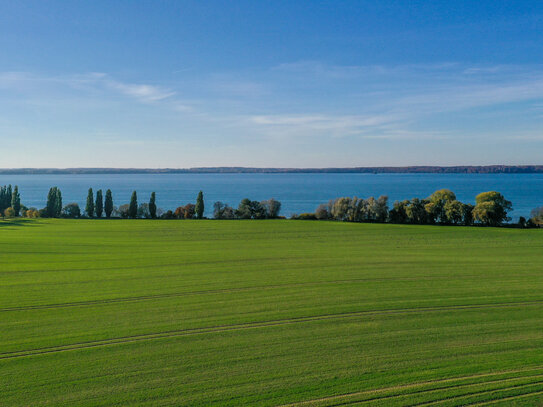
column 297, row 192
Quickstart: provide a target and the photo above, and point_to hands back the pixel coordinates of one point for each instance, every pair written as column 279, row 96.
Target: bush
column 143, row 211
column 185, row 212
column 322, row 212
column 222, row 211
column 536, row 216
column 248, row 209
column 9, row 212
column 71, row 211
column 168, row 215
column 31, row 213
column 271, row 208
column 124, row 211
column 304, row 216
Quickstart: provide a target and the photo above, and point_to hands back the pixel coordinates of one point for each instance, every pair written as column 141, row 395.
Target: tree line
column 441, row 207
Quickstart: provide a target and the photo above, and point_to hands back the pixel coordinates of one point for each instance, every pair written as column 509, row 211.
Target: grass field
column 197, row 313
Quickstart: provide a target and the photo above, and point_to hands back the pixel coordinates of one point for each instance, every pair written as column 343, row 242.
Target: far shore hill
column 461, row 169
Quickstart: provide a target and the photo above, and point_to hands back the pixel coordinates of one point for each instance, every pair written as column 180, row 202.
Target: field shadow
column 18, row 223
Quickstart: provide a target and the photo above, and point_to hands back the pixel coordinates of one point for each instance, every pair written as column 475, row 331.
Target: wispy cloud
column 317, row 125
column 93, row 81
column 141, row 92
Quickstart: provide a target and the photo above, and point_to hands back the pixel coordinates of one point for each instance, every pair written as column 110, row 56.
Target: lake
column 297, row 192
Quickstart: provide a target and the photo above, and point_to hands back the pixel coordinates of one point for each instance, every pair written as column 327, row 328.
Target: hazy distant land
column 461, row 169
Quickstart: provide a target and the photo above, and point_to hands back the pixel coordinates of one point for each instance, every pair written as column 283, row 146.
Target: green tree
column 199, row 208
column 398, row 213
column 491, row 208
column 454, row 212
column 467, row 214
column 6, row 195
column 2, row 199
column 16, row 200
column 9, row 194
column 244, row 209
column 108, row 205
column 272, row 208
column 416, row 212
column 152, row 205
column 436, row 205
column 133, row 208
column 71, row 211
column 143, row 211
column 51, row 208
column 340, row 208
column 99, row 206
column 89, row 208
column 58, row 204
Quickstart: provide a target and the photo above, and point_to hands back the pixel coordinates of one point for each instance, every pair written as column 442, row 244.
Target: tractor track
column 249, row 325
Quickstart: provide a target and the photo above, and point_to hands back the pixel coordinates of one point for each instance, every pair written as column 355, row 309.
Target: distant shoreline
column 483, row 169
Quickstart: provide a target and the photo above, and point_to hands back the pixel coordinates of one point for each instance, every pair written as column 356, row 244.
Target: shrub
column 71, row 211
column 143, row 211
column 124, row 211
column 9, row 212
column 248, row 209
column 304, row 216
column 271, row 208
column 168, row 215
column 222, row 211
column 31, row 213
column 322, row 212
column 189, row 211
column 536, row 216
column 179, row 212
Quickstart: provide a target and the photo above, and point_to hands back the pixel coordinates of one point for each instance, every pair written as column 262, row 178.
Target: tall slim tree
column 90, row 204
column 108, row 205
column 152, row 205
column 99, row 206
column 199, row 209
column 133, row 208
column 2, row 199
column 9, row 193
column 58, row 203
column 5, row 197
column 50, row 207
column 16, row 200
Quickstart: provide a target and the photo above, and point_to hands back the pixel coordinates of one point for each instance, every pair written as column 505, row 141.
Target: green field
column 198, row 313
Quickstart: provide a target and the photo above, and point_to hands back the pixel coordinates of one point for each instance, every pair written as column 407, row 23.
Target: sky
column 178, row 84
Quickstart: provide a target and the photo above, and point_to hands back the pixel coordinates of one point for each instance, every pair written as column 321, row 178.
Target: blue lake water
column 297, row 192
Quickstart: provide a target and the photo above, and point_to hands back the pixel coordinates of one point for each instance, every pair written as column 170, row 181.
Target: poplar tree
column 3, row 199
column 58, row 203
column 152, row 205
column 99, row 207
column 133, row 208
column 199, row 209
column 90, row 204
column 16, row 200
column 108, row 205
column 50, row 207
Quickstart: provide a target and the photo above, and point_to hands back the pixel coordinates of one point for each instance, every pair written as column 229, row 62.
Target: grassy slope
column 268, row 312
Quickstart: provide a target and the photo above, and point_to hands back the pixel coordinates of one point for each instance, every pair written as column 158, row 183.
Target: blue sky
column 270, row 83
